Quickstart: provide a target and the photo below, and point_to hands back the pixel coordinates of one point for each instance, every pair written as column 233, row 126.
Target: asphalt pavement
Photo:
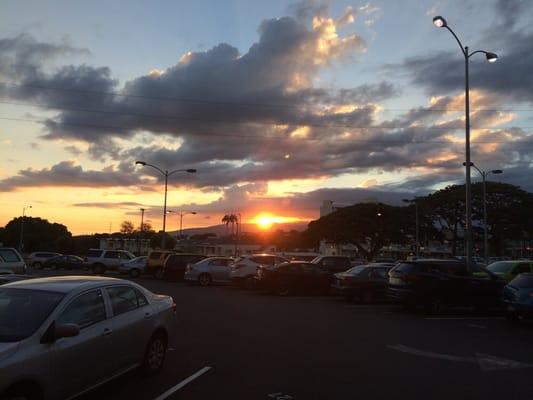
column 236, row 344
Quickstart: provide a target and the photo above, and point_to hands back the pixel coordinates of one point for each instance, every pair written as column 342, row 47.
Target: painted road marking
column 184, row 382
column 461, row 318
column 486, row 362
column 477, row 326
column 280, row 396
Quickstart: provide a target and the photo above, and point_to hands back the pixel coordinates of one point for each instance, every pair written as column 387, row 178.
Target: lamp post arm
column 157, row 168
column 478, row 170
column 458, row 41
column 475, row 52
column 176, row 170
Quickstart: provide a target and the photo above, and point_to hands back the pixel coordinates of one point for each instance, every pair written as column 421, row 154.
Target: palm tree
column 232, row 219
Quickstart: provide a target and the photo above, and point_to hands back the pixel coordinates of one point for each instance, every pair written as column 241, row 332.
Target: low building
column 133, row 245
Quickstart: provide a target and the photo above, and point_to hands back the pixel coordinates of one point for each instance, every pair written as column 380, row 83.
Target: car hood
column 8, row 349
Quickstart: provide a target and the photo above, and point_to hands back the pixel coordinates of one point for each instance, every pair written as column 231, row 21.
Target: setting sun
column 266, row 220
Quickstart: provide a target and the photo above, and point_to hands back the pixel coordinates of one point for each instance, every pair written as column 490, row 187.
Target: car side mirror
column 56, row 332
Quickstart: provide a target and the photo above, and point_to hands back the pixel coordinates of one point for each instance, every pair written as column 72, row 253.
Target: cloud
column 109, row 204
column 68, row 174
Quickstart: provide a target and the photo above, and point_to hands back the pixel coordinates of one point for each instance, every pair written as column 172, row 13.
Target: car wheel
column 98, row 269
column 367, row 297
column 159, row 273
column 204, row 279
column 134, row 273
column 434, row 306
column 249, row 283
column 154, row 356
column 37, row 265
column 22, row 392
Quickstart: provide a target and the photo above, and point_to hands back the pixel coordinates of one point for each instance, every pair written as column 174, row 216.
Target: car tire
column 204, row 279
column 249, row 283
column 158, row 274
column 37, row 265
column 434, row 307
column 98, row 269
column 22, row 392
column 134, row 273
column 154, row 356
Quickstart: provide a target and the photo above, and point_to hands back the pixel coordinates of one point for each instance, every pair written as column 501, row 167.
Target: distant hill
column 222, row 230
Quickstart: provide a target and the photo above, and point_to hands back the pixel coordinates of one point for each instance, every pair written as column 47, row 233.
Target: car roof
column 65, row 284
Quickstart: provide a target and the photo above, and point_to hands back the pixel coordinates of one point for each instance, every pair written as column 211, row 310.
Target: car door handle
column 107, row 332
column 148, row 315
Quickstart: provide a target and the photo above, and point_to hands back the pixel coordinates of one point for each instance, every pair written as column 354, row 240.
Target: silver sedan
column 208, row 270
column 52, row 327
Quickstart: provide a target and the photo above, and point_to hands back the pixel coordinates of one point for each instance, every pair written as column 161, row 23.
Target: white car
column 135, row 267
column 244, row 268
column 38, row 258
column 99, row 260
column 11, row 261
column 208, row 270
column 63, row 336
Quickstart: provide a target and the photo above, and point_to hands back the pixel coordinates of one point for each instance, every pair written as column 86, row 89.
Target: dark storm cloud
column 68, row 174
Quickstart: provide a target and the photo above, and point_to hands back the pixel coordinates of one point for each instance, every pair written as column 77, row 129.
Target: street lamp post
column 21, row 243
column 440, row 22
column 416, row 224
column 142, row 219
column 166, row 174
column 484, row 175
column 182, row 213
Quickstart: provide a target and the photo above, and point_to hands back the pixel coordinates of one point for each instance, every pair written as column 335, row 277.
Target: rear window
column 522, row 281
column 94, row 253
column 8, row 255
column 501, row 267
column 356, row 270
column 408, row 267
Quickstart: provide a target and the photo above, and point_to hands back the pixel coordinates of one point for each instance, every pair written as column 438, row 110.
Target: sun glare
column 266, row 220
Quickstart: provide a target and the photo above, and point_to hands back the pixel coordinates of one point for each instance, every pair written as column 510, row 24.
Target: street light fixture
column 484, row 175
column 440, row 22
column 166, row 174
column 413, row 201
column 21, row 243
column 182, row 213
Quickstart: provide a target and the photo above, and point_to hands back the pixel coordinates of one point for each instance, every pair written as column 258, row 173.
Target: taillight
column 174, row 306
column 410, row 278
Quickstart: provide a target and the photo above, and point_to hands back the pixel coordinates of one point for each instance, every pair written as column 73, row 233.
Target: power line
column 265, row 137
column 231, row 103
column 214, row 120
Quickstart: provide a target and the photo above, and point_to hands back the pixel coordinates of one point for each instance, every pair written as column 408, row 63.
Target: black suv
column 176, row 264
column 437, row 284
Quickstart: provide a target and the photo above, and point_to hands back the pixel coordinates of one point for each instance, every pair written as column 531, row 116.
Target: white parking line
column 461, row 318
column 477, row 326
column 184, row 382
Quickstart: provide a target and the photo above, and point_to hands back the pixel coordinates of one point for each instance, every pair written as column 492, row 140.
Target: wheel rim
column 204, row 280
column 156, row 354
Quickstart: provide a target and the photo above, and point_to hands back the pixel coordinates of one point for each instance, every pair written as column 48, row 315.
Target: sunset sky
column 279, row 105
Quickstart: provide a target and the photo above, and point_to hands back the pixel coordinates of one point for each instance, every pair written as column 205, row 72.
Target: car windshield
column 356, row 270
column 22, row 311
column 500, row 267
column 522, row 281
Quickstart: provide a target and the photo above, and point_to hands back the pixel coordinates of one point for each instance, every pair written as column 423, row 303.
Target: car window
column 380, row 273
column 85, row 310
column 155, row 255
column 267, row 260
column 309, row 268
column 523, row 281
column 9, row 255
column 124, row 256
column 123, row 299
column 141, row 298
column 218, row 262
column 520, row 268
column 111, row 254
column 501, row 267
column 94, row 253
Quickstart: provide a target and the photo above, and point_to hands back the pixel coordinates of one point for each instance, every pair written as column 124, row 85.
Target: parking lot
column 238, row 344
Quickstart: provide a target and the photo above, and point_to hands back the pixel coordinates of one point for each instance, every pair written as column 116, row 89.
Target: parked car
column 518, row 297
column 295, row 277
column 437, row 284
column 366, row 283
column 244, row 268
column 176, row 264
column 52, row 327
column 65, row 262
column 8, row 278
column 134, row 268
column 156, row 260
column 510, row 269
column 209, row 270
column 11, row 261
column 333, row 264
column 99, row 260
column 38, row 258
